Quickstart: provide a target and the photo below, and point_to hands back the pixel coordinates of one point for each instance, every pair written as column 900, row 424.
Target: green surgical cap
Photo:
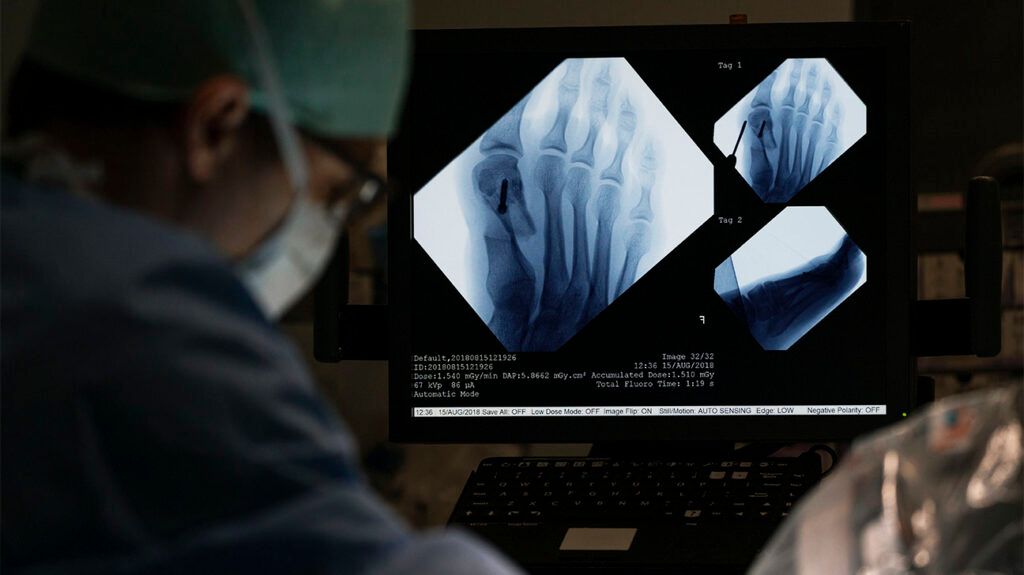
column 341, row 63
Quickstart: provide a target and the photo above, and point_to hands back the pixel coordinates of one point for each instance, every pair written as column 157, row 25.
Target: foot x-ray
column 791, row 274
column 564, row 203
column 791, row 127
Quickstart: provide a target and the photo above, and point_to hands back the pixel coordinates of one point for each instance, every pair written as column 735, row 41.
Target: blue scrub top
column 153, row 421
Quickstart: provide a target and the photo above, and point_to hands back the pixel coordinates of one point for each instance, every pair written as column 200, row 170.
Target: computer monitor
column 652, row 234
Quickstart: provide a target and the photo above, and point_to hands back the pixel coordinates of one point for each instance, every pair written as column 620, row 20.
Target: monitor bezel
column 891, row 37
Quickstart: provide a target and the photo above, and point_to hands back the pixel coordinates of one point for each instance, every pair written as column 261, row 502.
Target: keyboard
column 536, row 490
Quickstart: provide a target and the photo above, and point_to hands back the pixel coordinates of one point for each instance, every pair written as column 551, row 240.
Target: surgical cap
column 341, row 63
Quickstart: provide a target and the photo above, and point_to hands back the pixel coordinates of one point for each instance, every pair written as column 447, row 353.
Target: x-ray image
column 791, row 127
column 564, row 203
column 791, row 274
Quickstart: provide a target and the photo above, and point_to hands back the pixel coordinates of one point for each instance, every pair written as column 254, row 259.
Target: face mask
column 288, row 261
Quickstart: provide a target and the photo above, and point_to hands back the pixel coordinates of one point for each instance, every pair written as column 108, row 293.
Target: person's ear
column 212, row 119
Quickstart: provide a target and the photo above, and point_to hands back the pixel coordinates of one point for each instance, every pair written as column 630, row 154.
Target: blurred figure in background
column 175, row 177
column 942, row 492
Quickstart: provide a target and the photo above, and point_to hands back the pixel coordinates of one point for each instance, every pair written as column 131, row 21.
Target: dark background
column 966, row 92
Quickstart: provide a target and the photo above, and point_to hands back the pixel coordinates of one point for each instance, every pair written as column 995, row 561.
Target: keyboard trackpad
column 597, row 539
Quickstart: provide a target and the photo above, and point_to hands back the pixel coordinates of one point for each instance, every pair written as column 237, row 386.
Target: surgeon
column 175, row 177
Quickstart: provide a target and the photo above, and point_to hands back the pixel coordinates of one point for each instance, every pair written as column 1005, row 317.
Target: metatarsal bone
column 577, row 188
column 638, row 245
column 510, row 285
column 779, row 191
column 607, row 213
column 760, row 134
column 802, row 153
column 549, row 176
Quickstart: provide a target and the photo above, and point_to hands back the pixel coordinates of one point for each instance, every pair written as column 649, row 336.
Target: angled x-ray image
column 791, row 127
column 564, row 203
column 791, row 274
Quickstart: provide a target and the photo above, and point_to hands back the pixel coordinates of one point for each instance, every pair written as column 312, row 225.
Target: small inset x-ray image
column 791, row 127
column 564, row 203
column 791, row 274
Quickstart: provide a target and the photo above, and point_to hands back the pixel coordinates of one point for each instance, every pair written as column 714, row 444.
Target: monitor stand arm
column 969, row 325
column 342, row 330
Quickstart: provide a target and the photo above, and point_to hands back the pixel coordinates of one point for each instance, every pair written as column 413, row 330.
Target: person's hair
column 40, row 96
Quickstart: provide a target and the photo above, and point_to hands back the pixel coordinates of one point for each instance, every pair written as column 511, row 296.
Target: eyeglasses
column 364, row 189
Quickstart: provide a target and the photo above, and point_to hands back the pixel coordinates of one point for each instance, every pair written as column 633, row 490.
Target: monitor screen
column 653, row 233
